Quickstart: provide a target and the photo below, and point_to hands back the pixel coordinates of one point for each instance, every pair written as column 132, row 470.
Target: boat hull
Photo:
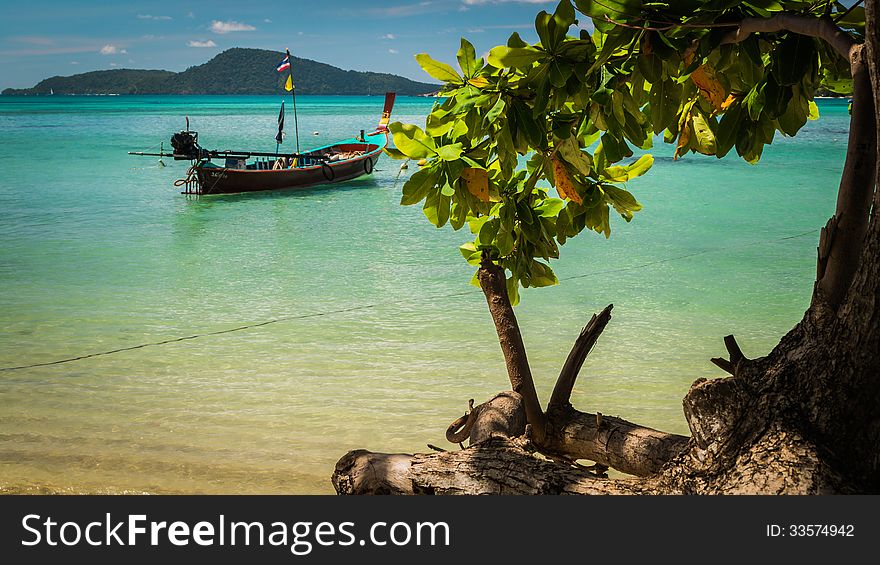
column 213, row 179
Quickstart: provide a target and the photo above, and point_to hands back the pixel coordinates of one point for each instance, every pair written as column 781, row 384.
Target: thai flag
column 284, row 65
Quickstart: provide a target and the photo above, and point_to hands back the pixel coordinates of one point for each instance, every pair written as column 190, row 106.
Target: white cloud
column 393, row 51
column 388, row 36
column 111, row 49
column 267, row 20
column 149, row 17
column 113, row 65
column 226, row 27
column 209, row 43
column 74, row 62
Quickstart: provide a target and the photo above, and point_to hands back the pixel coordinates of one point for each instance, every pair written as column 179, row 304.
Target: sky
column 53, row 37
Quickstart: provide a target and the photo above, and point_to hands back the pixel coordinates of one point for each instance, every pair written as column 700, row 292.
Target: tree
column 713, row 77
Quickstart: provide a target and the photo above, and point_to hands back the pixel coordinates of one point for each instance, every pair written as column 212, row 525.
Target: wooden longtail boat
column 251, row 171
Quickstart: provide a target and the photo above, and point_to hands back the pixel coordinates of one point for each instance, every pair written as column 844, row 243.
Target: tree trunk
column 494, row 286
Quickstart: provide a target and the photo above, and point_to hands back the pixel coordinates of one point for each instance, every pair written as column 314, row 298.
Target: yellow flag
column 289, row 85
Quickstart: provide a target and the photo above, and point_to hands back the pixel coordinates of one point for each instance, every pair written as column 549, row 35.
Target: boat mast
column 293, row 94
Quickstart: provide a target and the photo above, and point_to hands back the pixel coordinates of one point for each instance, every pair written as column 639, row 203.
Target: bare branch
column 723, row 364
column 582, row 346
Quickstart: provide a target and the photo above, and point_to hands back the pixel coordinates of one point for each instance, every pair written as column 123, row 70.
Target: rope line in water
column 392, row 303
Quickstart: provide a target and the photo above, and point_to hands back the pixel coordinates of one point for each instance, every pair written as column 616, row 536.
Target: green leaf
column 527, row 125
column 418, row 185
column 515, row 40
column 640, row 166
column 651, row 67
column 437, row 126
column 793, row 58
column 450, row 152
column 551, row 207
column 467, row 249
column 664, row 99
column 728, row 129
column 615, row 9
column 504, row 242
column 513, row 290
column 776, row 98
column 543, row 21
column 794, row 118
column 494, row 112
column 514, row 57
column 564, row 15
column 542, row 275
column 412, row 141
column 754, row 102
column 622, row 200
column 570, row 151
column 395, row 153
column 467, row 59
column 430, row 208
column 471, row 254
column 458, row 215
column 614, row 149
column 559, row 73
column 438, row 70
column 489, row 231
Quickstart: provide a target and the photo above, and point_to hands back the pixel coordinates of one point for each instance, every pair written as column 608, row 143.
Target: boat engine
column 186, row 146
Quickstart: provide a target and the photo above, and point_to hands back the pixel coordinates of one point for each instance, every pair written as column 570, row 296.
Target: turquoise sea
column 371, row 336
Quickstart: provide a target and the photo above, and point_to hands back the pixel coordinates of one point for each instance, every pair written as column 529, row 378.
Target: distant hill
column 234, row 71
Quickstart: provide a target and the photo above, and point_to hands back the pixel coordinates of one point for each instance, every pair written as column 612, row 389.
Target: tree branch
column 582, row 346
column 822, row 28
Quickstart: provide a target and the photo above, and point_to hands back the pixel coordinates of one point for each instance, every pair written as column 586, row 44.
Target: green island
column 234, row 71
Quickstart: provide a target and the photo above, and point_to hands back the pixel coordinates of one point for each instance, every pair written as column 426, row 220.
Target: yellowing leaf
column 479, row 82
column 814, row 111
column 684, row 137
column 705, row 139
column 564, row 185
column 477, row 181
column 727, row 103
column 710, row 87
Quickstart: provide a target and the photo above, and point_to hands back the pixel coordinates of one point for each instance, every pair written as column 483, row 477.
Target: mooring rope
column 391, row 303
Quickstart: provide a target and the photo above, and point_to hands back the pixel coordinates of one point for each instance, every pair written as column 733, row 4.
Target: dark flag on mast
column 280, row 137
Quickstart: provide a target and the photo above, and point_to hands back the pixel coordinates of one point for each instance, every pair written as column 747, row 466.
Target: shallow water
column 376, row 339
